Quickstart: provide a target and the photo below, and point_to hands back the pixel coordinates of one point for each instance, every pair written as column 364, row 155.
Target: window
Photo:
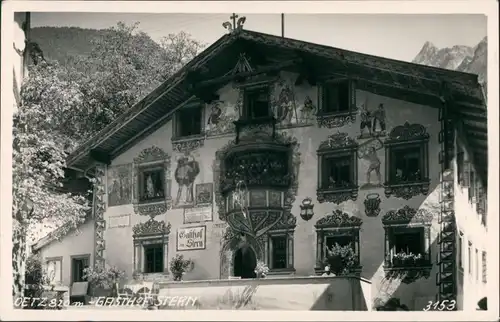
column 407, row 238
column 54, row 269
column 409, row 241
column 337, row 162
column 469, row 257
column 341, row 229
column 472, row 186
column 337, row 172
column 477, row 264
column 460, row 167
column 153, row 258
column 336, row 103
column 331, row 241
column 484, row 267
column 256, row 103
column 151, row 195
column 150, row 246
column 279, row 246
column 460, row 250
column 78, row 264
column 406, row 165
column 407, row 161
column 152, row 184
column 336, row 97
column 189, row 121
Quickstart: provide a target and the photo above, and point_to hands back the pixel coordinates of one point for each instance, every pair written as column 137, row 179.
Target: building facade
column 272, row 149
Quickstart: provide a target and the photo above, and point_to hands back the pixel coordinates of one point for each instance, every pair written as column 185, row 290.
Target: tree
column 124, row 65
column 40, row 139
column 61, row 107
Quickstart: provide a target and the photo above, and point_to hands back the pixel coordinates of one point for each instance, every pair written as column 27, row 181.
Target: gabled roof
column 398, row 79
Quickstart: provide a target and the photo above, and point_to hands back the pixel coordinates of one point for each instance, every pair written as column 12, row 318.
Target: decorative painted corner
column 188, row 144
column 336, row 120
column 337, row 196
column 406, row 190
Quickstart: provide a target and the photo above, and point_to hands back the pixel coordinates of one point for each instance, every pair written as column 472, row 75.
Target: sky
column 397, row 36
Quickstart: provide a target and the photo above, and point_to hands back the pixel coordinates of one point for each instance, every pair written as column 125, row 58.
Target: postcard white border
column 489, row 8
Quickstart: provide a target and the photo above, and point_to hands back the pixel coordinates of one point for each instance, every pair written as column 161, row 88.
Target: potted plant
column 261, row 269
column 104, row 278
column 179, row 266
column 340, row 259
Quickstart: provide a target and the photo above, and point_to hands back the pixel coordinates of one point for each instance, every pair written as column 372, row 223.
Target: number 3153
column 444, row 305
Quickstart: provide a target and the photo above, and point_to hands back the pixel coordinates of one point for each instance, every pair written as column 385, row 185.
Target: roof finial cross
column 236, row 24
column 233, row 17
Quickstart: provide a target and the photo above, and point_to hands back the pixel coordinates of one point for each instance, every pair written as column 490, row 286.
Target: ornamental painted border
column 151, row 157
column 412, row 135
column 99, row 210
column 338, row 144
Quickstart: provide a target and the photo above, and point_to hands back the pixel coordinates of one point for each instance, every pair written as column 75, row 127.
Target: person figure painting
column 379, row 117
column 185, row 174
column 215, row 115
column 372, row 157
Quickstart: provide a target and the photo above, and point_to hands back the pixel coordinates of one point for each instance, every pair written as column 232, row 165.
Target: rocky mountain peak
column 461, row 58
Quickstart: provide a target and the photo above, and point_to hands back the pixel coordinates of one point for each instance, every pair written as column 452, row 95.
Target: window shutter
column 320, row 98
column 466, row 174
column 352, row 91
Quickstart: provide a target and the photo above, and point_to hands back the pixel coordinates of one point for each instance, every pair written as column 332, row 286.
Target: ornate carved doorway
column 245, row 261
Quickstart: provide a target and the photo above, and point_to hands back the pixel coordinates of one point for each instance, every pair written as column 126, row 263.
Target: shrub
column 179, row 266
column 37, row 282
column 340, row 259
column 103, row 277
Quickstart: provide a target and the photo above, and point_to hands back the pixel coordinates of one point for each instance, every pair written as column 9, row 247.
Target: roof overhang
column 400, row 80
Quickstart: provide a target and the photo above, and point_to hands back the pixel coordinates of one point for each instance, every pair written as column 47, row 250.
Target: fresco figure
column 215, row 115
column 150, row 189
column 120, row 187
column 366, row 122
column 379, row 119
column 185, row 174
column 308, row 109
column 374, row 161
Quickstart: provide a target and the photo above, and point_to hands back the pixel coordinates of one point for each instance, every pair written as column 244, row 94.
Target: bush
column 106, row 278
column 36, row 281
column 179, row 266
column 340, row 259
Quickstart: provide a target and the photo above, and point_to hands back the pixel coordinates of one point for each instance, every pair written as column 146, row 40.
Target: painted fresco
column 185, row 174
column 222, row 113
column 373, row 120
column 291, row 105
column 120, row 185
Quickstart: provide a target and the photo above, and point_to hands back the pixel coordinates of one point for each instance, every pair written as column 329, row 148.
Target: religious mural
column 120, row 185
column 291, row 106
column 185, row 174
column 221, row 115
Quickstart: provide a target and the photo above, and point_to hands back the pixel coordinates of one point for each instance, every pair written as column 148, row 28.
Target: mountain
column 62, row 44
column 460, row 58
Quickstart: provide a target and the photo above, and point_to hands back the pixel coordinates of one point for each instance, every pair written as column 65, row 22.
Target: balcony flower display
column 403, row 259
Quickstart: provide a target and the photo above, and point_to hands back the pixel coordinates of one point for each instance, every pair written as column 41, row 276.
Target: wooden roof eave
column 459, row 82
column 82, row 152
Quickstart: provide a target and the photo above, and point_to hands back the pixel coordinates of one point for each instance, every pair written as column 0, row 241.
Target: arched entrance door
column 245, row 262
